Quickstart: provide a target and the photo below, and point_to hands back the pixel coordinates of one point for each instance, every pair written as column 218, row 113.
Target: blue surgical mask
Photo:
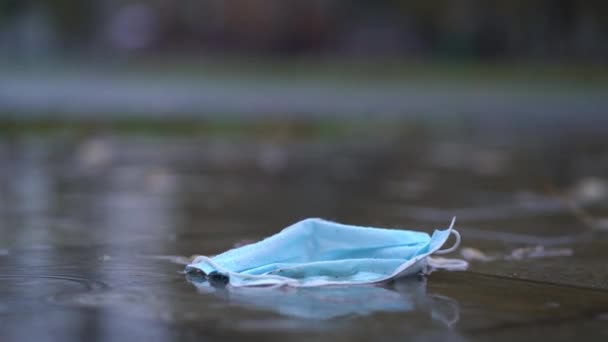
column 317, row 252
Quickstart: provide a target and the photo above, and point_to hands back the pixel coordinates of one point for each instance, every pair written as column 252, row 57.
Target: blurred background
column 553, row 31
column 318, row 58
column 137, row 132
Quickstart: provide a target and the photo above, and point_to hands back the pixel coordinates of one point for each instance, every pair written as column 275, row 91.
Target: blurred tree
column 74, row 20
column 469, row 29
column 9, row 8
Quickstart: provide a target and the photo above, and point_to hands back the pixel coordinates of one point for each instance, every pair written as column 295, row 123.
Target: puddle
column 36, row 280
column 176, row 259
column 325, row 303
column 96, row 232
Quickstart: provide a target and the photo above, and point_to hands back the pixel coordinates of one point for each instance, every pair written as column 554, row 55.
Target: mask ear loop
column 445, row 263
column 454, row 246
column 456, row 235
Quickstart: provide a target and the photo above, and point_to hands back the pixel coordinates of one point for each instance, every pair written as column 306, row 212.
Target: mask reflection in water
column 323, row 303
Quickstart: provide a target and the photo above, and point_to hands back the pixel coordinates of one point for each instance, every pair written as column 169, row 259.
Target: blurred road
column 83, row 94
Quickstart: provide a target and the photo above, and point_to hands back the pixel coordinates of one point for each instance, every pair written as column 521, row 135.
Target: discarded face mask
column 316, row 252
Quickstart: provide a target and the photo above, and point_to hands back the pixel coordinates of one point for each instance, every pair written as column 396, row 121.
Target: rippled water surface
column 95, row 230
